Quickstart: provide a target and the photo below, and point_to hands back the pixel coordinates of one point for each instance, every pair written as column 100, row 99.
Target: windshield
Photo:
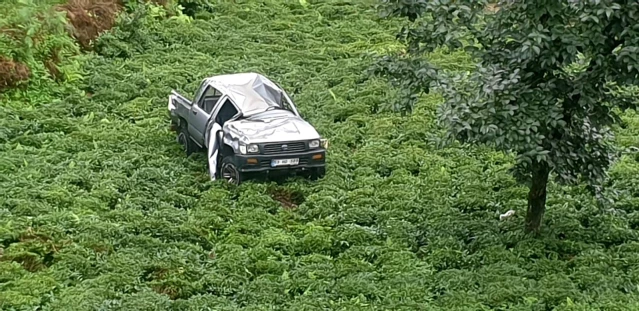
column 282, row 105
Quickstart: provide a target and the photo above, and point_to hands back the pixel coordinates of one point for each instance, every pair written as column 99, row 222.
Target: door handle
column 194, row 112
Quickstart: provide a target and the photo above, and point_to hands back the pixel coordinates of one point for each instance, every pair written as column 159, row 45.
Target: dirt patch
column 169, row 290
column 30, row 235
column 29, row 261
column 154, row 274
column 492, row 7
column 156, row 278
column 39, row 251
column 12, row 73
column 90, row 18
column 12, row 32
column 289, row 199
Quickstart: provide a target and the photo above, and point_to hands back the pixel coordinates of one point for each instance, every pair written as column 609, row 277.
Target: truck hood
column 280, row 128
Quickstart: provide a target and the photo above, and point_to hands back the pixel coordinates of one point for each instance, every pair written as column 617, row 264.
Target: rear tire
column 184, row 139
column 229, row 172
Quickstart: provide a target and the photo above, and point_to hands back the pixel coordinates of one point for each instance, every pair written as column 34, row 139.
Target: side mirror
column 324, row 143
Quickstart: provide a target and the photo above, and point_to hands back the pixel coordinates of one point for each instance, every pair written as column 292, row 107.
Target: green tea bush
column 100, row 209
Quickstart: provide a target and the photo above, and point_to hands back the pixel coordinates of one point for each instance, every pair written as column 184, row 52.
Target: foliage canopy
column 547, row 83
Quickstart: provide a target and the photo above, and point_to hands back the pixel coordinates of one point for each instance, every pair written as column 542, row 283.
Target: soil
column 90, row 18
column 288, row 199
column 12, row 73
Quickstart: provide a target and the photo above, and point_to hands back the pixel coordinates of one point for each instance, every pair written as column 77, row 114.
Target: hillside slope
column 100, row 209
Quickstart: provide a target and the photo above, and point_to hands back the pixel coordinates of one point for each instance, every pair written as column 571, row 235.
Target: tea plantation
column 100, row 209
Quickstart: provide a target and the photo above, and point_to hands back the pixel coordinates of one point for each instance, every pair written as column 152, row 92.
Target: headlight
column 314, row 143
column 252, row 148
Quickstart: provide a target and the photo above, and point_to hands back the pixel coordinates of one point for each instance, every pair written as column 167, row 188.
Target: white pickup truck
column 248, row 124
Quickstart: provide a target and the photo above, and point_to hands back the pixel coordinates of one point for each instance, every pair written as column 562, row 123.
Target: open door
column 213, row 149
column 221, row 114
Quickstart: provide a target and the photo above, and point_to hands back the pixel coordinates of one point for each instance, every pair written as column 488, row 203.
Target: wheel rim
column 230, row 174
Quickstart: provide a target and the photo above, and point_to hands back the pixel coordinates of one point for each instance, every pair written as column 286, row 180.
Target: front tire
column 318, row 172
column 229, row 171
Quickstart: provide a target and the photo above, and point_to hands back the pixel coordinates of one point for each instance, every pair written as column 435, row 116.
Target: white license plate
column 282, row 162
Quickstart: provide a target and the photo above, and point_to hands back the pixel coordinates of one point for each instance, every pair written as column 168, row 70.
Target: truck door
column 224, row 110
column 201, row 113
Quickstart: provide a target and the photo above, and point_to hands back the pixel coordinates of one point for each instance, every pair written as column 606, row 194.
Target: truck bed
column 179, row 106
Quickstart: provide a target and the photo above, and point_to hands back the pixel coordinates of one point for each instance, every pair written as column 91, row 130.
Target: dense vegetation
column 100, row 209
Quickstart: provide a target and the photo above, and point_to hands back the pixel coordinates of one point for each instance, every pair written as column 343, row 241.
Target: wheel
column 184, row 139
column 318, row 172
column 229, row 171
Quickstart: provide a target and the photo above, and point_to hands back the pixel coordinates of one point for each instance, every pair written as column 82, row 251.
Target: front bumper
column 248, row 163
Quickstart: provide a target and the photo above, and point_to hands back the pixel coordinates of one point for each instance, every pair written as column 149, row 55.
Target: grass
column 100, row 209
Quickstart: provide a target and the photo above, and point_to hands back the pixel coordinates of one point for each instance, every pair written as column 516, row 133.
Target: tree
column 545, row 87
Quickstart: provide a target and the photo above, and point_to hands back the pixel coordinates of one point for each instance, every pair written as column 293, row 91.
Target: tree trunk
column 537, row 197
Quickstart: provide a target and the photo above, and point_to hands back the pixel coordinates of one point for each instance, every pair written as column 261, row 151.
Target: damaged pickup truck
column 247, row 124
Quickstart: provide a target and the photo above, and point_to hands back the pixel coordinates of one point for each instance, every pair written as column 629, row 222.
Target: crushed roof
column 251, row 92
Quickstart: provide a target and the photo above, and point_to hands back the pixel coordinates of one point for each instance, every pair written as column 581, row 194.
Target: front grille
column 297, row 146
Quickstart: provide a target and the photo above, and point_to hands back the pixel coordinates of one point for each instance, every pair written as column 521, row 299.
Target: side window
column 199, row 91
column 227, row 111
column 210, row 97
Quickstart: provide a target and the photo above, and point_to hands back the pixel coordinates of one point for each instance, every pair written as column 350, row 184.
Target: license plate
column 282, row 162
